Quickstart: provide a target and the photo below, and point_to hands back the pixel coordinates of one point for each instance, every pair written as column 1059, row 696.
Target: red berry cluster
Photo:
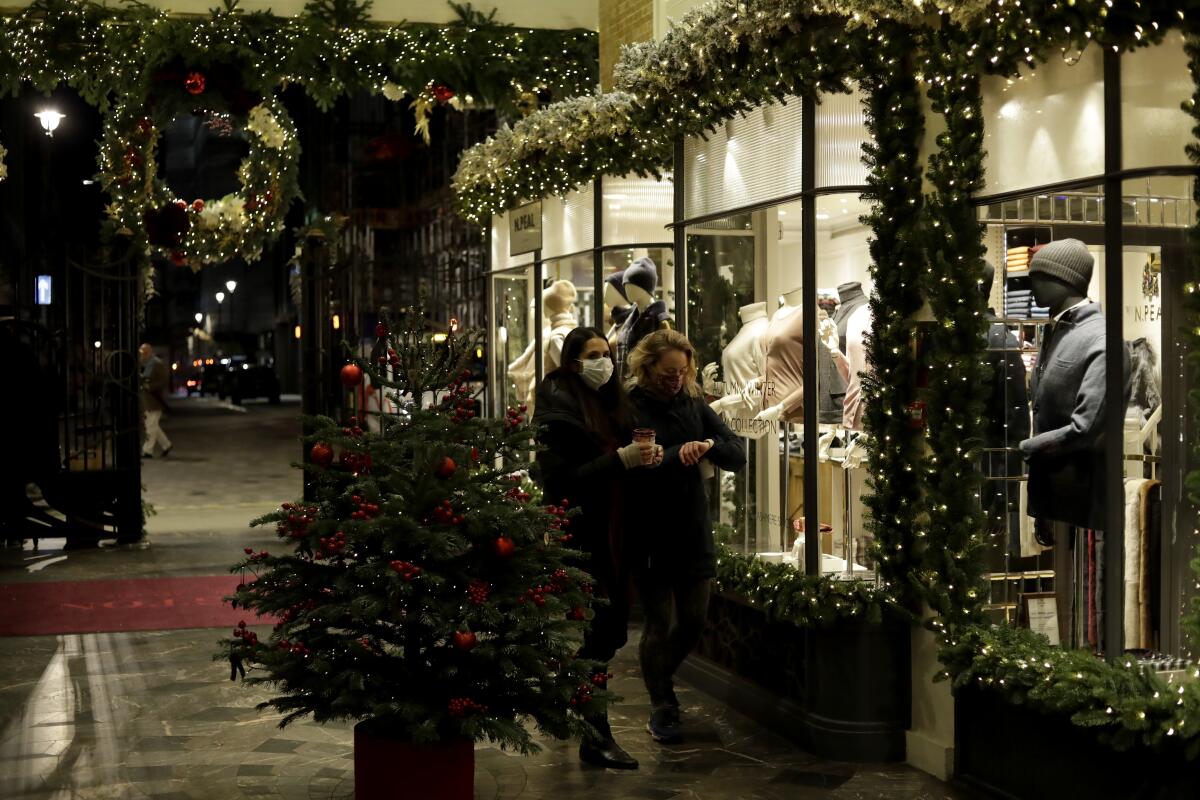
column 408, row 571
column 392, row 356
column 478, row 591
column 365, row 644
column 601, row 678
column 515, row 417
column 461, row 706
column 355, row 462
column 538, row 593
column 333, row 545
column 516, row 493
column 561, row 580
column 583, row 695
column 291, row 613
column 297, row 522
column 352, row 428
column 444, row 513
column 261, row 555
column 240, row 632
column 297, row 648
column 559, row 513
column 459, row 399
column 365, row 510
column 577, row 613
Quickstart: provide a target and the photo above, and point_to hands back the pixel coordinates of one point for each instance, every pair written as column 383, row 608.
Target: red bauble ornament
column 442, row 93
column 464, row 640
column 380, row 330
column 447, row 467
column 504, row 547
column 197, row 206
column 145, row 127
column 321, row 455
column 352, row 375
column 194, row 83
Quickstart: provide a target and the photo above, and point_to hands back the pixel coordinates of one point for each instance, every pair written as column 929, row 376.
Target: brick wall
column 622, row 22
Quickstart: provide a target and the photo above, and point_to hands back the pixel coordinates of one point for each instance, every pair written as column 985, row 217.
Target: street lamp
column 199, row 318
column 49, row 119
column 231, row 285
column 220, row 298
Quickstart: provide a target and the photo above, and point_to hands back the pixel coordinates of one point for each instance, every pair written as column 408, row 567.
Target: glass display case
column 1089, row 529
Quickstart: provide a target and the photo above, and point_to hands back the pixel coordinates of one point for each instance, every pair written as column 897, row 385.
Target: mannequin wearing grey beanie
column 1066, row 453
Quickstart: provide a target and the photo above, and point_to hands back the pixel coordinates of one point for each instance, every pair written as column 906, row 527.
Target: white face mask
column 596, row 371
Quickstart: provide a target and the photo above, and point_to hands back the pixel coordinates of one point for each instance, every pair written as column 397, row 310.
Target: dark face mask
column 670, row 384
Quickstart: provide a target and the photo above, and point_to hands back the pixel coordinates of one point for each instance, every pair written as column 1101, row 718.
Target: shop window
column 513, row 339
column 636, row 210
column 568, row 223
column 727, row 316
column 750, row 159
column 841, row 132
column 568, row 292
column 1155, row 82
column 844, row 323
column 1158, row 546
column 1045, row 126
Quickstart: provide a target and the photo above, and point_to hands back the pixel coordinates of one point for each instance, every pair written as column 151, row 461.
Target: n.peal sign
column 525, row 229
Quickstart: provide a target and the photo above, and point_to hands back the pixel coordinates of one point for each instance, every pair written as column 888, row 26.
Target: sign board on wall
column 525, row 229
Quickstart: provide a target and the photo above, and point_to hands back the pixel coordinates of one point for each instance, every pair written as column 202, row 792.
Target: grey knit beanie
column 1066, row 259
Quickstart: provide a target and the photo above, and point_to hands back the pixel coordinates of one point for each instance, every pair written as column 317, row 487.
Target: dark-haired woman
column 586, row 427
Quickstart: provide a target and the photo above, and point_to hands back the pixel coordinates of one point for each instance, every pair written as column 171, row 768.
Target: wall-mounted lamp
column 337, row 322
column 220, row 297
column 49, row 119
column 199, row 318
column 296, row 332
column 231, row 285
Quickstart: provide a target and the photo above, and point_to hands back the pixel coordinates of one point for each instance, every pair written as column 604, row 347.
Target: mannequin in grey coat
column 1066, row 451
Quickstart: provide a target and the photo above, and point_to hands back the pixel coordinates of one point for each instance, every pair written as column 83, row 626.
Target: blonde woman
column 668, row 532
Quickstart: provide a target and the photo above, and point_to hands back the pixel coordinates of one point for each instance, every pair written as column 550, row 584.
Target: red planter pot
column 397, row 769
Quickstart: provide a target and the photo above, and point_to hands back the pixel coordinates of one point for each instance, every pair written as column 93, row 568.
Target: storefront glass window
column 1155, row 82
column 513, row 339
column 636, row 210
column 1157, row 536
column 844, row 323
column 1046, row 126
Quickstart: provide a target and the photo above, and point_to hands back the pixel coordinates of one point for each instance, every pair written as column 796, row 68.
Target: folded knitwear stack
column 1017, row 303
column 1017, row 260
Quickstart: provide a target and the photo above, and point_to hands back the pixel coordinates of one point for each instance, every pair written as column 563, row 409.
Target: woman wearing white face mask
column 585, row 425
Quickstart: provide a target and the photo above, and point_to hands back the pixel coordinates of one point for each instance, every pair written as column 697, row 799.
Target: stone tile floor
column 149, row 716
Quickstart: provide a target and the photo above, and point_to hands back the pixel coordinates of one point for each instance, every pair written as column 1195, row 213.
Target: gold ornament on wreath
column 197, row 231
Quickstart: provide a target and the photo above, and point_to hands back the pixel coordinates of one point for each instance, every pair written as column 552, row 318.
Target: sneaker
column 664, row 725
column 167, row 452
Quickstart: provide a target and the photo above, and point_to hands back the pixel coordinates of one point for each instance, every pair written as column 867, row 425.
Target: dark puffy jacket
column 667, row 524
column 579, row 467
column 1066, row 452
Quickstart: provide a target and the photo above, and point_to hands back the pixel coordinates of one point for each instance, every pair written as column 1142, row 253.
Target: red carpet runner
column 142, row 604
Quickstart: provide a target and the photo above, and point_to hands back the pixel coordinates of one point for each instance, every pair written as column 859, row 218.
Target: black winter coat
column 579, row 467
column 668, row 529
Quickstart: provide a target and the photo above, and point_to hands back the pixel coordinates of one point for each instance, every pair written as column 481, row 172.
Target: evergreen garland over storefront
column 728, row 57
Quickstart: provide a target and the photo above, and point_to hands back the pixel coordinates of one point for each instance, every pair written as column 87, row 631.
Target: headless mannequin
column 742, row 359
column 851, row 297
column 558, row 305
column 790, row 310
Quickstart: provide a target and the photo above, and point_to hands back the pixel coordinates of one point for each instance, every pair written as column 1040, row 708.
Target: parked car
column 243, row 379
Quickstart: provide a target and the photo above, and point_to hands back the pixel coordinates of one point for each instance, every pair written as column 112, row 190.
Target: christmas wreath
column 197, row 231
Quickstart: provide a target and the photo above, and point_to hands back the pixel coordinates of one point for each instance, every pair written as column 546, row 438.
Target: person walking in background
column 669, row 537
column 584, row 424
column 155, row 383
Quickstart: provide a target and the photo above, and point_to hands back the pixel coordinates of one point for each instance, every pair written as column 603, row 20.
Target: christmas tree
column 423, row 589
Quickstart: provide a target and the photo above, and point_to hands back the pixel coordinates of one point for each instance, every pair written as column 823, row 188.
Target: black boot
column 604, row 750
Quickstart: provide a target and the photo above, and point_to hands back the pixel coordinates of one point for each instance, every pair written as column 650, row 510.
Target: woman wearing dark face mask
column 669, row 542
column 585, row 424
